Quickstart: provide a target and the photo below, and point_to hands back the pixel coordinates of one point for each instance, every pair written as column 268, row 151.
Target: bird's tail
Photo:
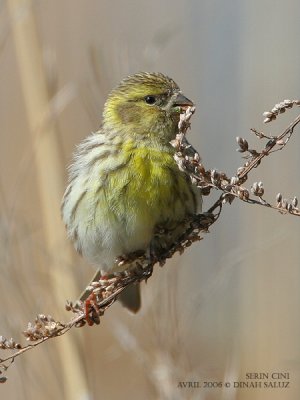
column 131, row 298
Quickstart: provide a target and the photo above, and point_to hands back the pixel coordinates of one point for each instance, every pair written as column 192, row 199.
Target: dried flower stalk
column 104, row 292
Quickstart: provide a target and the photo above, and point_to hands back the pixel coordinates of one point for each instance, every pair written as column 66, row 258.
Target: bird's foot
column 92, row 311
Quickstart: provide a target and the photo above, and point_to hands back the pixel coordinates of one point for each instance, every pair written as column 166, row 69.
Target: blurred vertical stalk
column 49, row 175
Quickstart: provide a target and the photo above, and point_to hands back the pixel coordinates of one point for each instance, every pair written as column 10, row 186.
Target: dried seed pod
column 227, row 187
column 205, row 191
column 234, row 180
column 268, row 114
column 284, row 204
column 246, row 194
column 243, row 144
column 266, row 120
column 255, row 189
column 11, row 343
column 240, row 194
column 295, row 202
column 214, row 177
column 228, row 198
column 214, row 173
column 288, row 103
column 2, row 342
column 239, row 140
column 197, row 157
column 282, row 109
column 278, row 197
column 200, row 169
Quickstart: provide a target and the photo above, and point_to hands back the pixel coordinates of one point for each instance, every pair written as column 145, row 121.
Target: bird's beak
column 181, row 101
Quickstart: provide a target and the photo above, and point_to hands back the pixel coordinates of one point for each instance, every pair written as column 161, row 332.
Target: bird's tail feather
column 131, row 298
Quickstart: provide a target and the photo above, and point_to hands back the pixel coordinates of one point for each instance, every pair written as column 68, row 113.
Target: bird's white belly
column 102, row 244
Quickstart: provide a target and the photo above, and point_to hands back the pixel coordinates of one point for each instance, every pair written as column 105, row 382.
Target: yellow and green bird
column 123, row 181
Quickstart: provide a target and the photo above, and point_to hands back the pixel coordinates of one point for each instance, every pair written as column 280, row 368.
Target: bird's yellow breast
column 150, row 190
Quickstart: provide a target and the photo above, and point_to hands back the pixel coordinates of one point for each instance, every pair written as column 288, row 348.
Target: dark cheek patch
column 129, row 113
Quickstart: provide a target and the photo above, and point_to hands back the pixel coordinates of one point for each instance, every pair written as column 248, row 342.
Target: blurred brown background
column 227, row 307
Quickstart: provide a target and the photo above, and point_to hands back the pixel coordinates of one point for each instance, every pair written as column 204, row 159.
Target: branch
column 103, row 291
column 233, row 187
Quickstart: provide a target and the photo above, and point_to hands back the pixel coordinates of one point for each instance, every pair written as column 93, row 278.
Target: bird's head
column 145, row 105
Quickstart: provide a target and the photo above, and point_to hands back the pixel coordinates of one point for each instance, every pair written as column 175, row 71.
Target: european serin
column 123, row 181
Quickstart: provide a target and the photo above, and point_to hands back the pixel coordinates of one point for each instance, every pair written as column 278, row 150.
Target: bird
column 123, row 179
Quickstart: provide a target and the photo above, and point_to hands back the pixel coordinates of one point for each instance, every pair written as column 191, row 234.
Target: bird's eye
column 150, row 100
